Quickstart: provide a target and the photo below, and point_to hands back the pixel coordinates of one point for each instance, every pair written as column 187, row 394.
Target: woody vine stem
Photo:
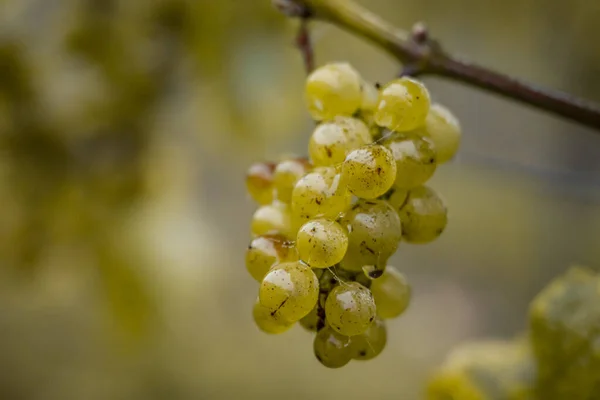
column 422, row 55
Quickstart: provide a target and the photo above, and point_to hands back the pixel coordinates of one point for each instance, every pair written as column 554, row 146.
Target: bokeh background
column 126, row 127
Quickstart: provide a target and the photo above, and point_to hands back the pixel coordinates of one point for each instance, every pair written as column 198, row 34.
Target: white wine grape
column 321, row 243
column 332, row 140
column 332, row 90
column 391, row 293
column 350, row 309
column 403, row 105
column 369, row 171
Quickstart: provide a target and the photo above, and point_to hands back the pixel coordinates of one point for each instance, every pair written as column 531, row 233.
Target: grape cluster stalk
column 326, row 226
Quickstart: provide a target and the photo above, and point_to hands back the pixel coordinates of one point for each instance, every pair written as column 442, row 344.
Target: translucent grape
column 259, row 182
column 331, row 141
column 290, row 291
column 287, row 174
column 321, row 193
column 350, row 309
column 374, row 233
column 321, row 243
column 332, row 349
column 369, row 171
column 403, row 105
column 444, row 130
column 333, row 89
column 391, row 293
column 267, row 322
column 415, row 159
column 424, row 215
column 264, row 251
column 371, row 343
column 273, row 218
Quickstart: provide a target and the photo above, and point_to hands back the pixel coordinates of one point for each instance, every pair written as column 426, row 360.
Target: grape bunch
column 327, row 225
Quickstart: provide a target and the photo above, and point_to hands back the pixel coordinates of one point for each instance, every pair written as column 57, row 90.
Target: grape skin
column 396, row 197
column 403, row 105
column 321, row 193
column 290, row 291
column 415, row 159
column 350, row 309
column 374, row 233
column 266, row 322
column 259, row 182
column 392, row 293
column 331, row 141
column 369, row 171
column 333, row 89
column 287, row 174
column 264, row 251
column 444, row 130
column 332, row 349
column 370, row 97
column 273, row 218
column 371, row 343
column 424, row 215
column 321, row 243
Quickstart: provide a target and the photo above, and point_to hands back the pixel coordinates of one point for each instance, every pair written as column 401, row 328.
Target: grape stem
column 422, row 55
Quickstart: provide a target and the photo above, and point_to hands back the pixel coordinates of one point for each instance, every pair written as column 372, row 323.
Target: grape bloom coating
column 327, row 224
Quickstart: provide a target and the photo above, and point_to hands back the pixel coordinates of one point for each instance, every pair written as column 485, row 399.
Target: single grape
column 371, row 343
column 374, row 233
column 267, row 322
column 391, row 293
column 396, row 197
column 415, row 159
column 287, row 174
column 350, row 309
column 332, row 140
column 424, row 215
column 370, row 97
column 289, row 290
column 321, row 243
column 444, row 130
column 369, row 171
column 332, row 349
column 266, row 250
column 403, row 105
column 333, row 89
column 321, row 193
column 273, row 218
column 259, row 182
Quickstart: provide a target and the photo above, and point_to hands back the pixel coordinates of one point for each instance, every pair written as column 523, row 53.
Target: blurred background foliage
column 126, row 127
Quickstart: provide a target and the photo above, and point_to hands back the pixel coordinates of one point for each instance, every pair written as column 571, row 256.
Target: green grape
column 370, row 97
column 350, row 309
column 273, row 218
column 374, row 233
column 289, row 290
column 424, row 215
column 321, row 243
column 333, row 89
column 331, row 141
column 314, row 321
column 444, row 130
column 321, row 193
column 391, row 292
column 332, row 349
column 264, row 251
column 415, row 159
column 259, row 182
column 371, row 343
column 396, row 197
column 369, row 171
column 403, row 105
column 267, row 322
column 287, row 174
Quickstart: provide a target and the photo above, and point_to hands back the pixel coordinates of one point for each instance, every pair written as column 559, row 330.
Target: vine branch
column 422, row 55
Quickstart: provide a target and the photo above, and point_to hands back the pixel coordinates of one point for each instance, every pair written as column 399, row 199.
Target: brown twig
column 422, row 55
column 304, row 44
